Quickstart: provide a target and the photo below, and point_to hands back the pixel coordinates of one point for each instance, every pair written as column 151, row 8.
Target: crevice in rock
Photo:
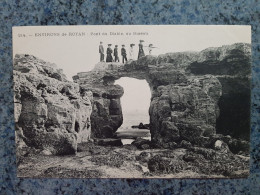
column 77, row 126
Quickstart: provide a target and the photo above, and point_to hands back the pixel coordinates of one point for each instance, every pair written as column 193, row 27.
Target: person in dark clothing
column 109, row 54
column 123, row 53
column 101, row 52
column 141, row 50
column 150, row 49
column 116, row 54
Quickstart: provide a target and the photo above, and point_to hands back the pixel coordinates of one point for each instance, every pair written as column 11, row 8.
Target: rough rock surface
column 232, row 66
column 50, row 113
column 95, row 161
column 200, row 160
column 192, row 94
column 109, row 142
column 106, row 116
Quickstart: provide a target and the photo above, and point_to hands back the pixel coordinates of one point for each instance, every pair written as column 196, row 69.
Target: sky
column 136, row 96
column 74, row 53
column 75, row 48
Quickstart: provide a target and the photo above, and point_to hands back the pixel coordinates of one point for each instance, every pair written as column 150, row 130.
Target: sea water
column 129, row 134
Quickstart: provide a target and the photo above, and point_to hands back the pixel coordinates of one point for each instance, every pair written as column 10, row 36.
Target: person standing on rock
column 150, row 48
column 109, row 54
column 131, row 52
column 116, row 53
column 123, row 53
column 101, row 52
column 141, row 49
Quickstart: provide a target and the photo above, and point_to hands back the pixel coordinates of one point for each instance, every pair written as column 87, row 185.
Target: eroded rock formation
column 50, row 113
column 194, row 94
column 232, row 67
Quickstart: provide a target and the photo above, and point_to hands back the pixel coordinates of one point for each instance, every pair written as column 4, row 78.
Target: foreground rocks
column 200, row 160
column 50, row 113
column 95, row 161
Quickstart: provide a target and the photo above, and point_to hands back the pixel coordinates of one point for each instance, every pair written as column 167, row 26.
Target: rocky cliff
column 194, row 94
column 232, row 67
column 50, row 113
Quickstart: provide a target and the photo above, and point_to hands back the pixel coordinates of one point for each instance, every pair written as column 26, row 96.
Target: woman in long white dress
column 131, row 52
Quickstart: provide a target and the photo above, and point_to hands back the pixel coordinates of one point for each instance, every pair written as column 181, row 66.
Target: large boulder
column 106, row 116
column 49, row 110
column 185, row 111
column 141, row 143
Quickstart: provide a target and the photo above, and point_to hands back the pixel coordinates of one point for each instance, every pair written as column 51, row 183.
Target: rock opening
column 77, row 126
column 135, row 105
column 135, row 102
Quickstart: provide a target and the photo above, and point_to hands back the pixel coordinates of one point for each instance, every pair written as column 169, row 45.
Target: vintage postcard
column 132, row 101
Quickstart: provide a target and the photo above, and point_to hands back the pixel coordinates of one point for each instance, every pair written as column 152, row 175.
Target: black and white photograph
column 132, row 101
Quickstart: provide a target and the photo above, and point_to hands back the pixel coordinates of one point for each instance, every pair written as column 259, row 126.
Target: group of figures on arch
column 110, row 53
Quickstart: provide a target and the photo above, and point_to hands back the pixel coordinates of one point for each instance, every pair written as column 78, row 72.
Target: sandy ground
column 37, row 165
column 93, row 161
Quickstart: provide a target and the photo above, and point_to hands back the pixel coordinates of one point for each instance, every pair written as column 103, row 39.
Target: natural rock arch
column 172, row 101
column 194, row 95
column 185, row 99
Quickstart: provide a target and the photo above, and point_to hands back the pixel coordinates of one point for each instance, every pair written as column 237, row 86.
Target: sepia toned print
column 132, row 101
